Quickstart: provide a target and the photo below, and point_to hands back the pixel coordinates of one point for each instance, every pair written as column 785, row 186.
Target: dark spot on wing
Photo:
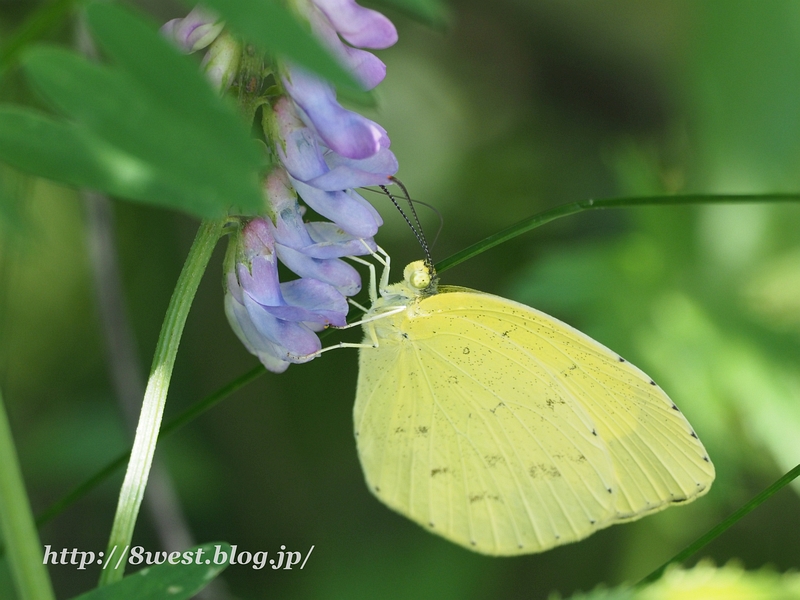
column 492, row 460
column 675, row 407
column 405, row 335
column 652, row 382
column 452, row 380
column 465, row 350
column 694, row 435
column 543, row 470
column 399, row 430
column 442, row 471
column 499, row 404
column 422, row 430
column 621, row 359
column 594, row 432
column 484, row 496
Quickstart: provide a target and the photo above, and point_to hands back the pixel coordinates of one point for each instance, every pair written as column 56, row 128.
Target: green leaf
column 150, row 125
column 33, row 142
column 115, row 109
column 173, row 79
column 167, row 581
column 273, row 28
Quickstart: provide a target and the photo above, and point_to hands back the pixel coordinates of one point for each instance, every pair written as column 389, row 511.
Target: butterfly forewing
column 509, row 432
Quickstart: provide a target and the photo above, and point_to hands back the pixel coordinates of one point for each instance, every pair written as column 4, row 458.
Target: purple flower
column 324, row 179
column 325, row 152
column 343, row 131
column 195, row 31
column 199, row 29
column 275, row 321
column 309, row 258
column 361, row 27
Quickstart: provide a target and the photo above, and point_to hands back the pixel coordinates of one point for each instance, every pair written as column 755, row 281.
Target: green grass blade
column 720, row 528
column 564, row 210
column 16, row 523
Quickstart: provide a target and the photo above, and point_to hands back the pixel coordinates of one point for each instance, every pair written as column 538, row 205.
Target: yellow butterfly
column 505, row 430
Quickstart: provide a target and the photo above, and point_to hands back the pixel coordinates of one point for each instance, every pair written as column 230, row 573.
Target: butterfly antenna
column 416, row 229
column 415, row 201
column 438, row 214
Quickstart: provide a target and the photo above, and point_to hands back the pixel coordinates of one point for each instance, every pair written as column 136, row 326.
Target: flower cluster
column 325, row 151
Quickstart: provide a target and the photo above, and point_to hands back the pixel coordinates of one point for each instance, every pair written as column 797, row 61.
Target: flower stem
column 16, row 523
column 155, row 396
column 563, row 210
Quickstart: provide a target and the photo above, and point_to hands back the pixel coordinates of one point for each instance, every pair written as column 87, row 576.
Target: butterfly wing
column 509, row 432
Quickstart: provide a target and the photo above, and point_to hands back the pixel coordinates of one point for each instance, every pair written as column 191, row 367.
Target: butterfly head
column 420, row 277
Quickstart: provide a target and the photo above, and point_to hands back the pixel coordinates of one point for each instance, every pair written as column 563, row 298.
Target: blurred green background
column 516, row 106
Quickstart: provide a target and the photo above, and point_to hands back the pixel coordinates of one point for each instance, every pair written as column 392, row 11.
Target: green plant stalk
column 572, row 208
column 16, row 523
column 155, row 396
column 719, row 529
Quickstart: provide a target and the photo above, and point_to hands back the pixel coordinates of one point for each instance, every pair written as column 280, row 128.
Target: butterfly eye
column 418, row 275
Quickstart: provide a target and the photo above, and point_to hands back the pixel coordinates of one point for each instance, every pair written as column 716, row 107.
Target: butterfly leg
column 357, row 305
column 370, row 331
column 386, row 261
column 373, row 292
column 393, row 311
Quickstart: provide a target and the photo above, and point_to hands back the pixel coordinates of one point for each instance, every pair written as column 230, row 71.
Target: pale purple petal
column 367, row 67
column 289, row 228
column 296, row 338
column 233, row 287
column 330, row 235
column 297, row 145
column 360, row 26
column 295, row 314
column 260, row 281
column 333, row 271
column 195, row 31
column 343, row 131
column 341, row 208
column 267, row 352
column 317, row 297
column 350, row 173
column 353, row 195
